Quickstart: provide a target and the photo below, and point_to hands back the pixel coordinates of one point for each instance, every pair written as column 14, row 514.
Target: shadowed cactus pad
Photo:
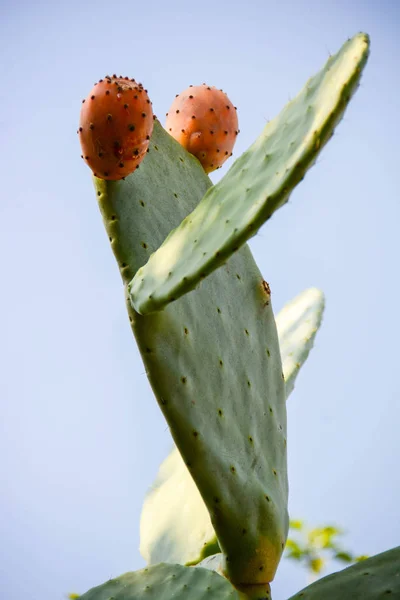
column 376, row 578
column 257, row 184
column 165, row 582
column 298, row 323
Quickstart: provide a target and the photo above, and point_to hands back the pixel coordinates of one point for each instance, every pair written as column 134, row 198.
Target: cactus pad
column 372, row 579
column 164, row 582
column 215, row 368
column 175, row 525
column 258, row 183
column 298, row 323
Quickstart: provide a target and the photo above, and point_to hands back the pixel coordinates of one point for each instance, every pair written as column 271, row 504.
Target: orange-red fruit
column 115, row 127
column 204, row 121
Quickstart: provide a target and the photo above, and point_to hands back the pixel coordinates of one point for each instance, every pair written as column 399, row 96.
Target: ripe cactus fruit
column 115, row 127
column 256, row 185
column 204, row 121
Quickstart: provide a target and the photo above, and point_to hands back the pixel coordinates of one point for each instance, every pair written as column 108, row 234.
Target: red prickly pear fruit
column 115, row 127
column 204, row 121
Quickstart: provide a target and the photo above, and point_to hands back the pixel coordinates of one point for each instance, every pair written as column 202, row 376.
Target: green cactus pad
column 298, row 323
column 165, row 582
column 258, row 183
column 372, row 579
column 175, row 525
column 214, row 364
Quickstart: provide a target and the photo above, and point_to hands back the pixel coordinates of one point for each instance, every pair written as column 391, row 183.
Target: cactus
column 115, row 127
column 213, row 356
column 204, row 121
column 175, row 524
column 376, row 577
column 164, row 582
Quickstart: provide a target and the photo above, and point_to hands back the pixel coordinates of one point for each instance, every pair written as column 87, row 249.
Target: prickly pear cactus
column 226, row 409
column 372, row 579
column 175, row 525
column 213, row 356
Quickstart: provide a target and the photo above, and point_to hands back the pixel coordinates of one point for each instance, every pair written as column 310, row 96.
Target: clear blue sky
column 81, row 436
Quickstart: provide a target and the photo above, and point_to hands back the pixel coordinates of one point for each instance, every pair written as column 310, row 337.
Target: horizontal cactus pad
column 165, row 582
column 376, row 578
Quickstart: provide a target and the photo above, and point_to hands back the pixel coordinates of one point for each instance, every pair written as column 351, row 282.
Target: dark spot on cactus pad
column 83, row 101
column 109, row 117
column 100, row 154
column 218, row 150
column 92, row 97
column 211, row 110
column 131, row 127
column 250, row 439
column 238, row 276
column 248, row 383
column 86, row 158
column 191, row 96
column 268, row 499
column 147, row 137
column 218, row 310
column 244, row 531
column 274, row 472
column 183, row 379
column 181, row 159
column 246, row 330
column 226, row 152
column 144, row 245
column 268, row 352
column 186, row 330
column 177, row 111
column 211, row 131
column 141, row 203
column 130, row 318
column 261, row 568
column 195, row 433
column 143, row 115
column 193, row 116
column 175, row 194
column 135, row 152
column 107, row 92
column 110, row 239
column 126, row 105
column 233, row 470
column 121, row 165
column 80, row 129
column 217, row 501
column 220, row 363
column 220, row 412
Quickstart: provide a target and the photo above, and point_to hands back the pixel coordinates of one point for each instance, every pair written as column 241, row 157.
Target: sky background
column 81, row 436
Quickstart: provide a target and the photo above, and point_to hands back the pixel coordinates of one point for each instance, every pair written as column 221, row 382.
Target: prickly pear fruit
column 116, row 123
column 204, row 121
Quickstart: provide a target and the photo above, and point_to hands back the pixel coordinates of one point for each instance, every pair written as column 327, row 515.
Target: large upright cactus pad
column 258, row 183
column 175, row 525
column 376, row 578
column 213, row 361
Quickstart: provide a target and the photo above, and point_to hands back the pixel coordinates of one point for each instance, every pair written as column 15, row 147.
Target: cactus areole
column 204, row 121
column 115, row 127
